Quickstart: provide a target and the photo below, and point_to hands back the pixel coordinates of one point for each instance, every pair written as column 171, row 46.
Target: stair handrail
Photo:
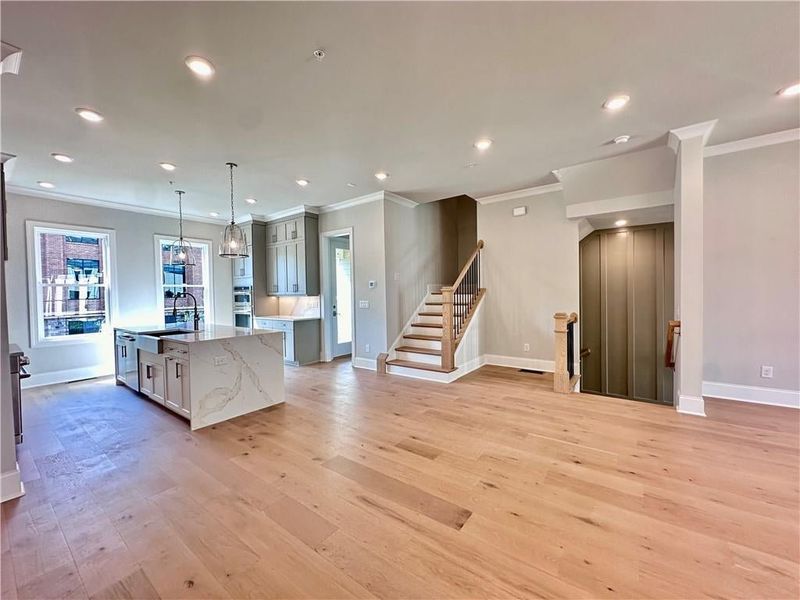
column 466, row 291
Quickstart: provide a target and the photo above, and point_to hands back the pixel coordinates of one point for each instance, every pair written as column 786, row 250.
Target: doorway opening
column 338, row 294
column 626, row 299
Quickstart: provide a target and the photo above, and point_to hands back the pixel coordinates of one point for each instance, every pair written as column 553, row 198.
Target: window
column 70, row 282
column 178, row 279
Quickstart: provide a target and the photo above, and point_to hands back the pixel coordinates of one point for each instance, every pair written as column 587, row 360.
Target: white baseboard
column 11, row 485
column 691, row 405
column 535, row 364
column 370, row 364
column 752, row 393
column 51, row 377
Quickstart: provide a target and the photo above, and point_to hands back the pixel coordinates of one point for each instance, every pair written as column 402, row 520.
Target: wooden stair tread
column 431, row 325
column 420, row 336
column 418, row 350
column 437, row 303
column 429, row 314
column 417, row 365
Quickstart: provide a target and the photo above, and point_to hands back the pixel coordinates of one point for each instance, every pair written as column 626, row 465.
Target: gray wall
column 530, row 269
column 422, row 245
column 752, row 266
column 136, row 274
column 368, row 264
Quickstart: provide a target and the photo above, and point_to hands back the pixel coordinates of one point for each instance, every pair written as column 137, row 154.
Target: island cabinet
column 293, row 256
column 164, row 378
column 151, row 376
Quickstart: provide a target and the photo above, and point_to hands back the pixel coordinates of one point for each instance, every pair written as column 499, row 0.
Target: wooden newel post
column 448, row 342
column 561, row 381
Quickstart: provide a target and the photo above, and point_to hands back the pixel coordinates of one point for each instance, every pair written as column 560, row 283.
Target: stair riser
column 421, row 358
column 417, row 374
column 425, row 330
column 433, row 345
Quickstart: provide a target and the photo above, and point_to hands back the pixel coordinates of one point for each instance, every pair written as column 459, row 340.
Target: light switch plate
column 519, row 211
column 766, row 371
column 363, row 304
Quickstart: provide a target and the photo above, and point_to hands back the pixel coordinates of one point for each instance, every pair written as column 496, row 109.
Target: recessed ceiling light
column 167, row 166
column 792, row 90
column 62, row 157
column 350, row 184
column 616, row 102
column 89, row 114
column 301, row 182
column 319, row 54
column 250, row 200
column 483, row 144
column 620, row 223
column 213, row 214
column 380, row 175
column 200, row 66
column 46, row 184
column 621, row 139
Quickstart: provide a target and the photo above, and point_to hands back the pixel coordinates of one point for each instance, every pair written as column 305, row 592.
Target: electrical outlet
column 366, row 347
column 766, row 371
column 220, row 360
column 526, row 347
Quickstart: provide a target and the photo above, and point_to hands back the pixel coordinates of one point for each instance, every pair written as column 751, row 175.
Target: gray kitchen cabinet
column 301, row 339
column 293, row 257
column 176, row 376
column 151, row 376
column 251, row 271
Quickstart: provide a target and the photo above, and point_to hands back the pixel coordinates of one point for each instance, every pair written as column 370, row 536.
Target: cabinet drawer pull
column 177, row 370
column 147, row 372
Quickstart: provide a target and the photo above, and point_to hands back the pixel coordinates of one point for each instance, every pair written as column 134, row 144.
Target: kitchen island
column 207, row 376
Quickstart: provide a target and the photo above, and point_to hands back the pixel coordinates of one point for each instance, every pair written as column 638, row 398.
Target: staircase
column 427, row 347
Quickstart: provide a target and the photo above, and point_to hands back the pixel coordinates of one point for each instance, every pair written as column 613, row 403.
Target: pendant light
column 180, row 252
column 234, row 242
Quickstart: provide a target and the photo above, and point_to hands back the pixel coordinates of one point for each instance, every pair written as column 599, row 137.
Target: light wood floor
column 375, row 486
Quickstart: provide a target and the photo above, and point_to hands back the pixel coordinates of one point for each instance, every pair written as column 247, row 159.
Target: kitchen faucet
column 175, row 308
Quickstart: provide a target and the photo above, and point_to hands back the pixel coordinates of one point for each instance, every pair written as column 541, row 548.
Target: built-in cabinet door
column 300, row 258
column 283, row 284
column 292, row 269
column 288, row 346
column 272, row 270
column 151, row 377
column 120, row 363
column 177, row 386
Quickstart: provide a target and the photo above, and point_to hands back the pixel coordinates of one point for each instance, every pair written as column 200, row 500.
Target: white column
column 688, row 143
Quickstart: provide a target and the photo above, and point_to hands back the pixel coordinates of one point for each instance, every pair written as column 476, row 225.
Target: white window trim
column 37, row 339
column 169, row 238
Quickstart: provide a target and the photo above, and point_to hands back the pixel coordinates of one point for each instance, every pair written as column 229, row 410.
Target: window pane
column 63, row 258
column 72, row 280
column 181, row 310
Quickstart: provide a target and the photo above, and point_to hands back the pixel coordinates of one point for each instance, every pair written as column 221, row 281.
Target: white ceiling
column 405, row 87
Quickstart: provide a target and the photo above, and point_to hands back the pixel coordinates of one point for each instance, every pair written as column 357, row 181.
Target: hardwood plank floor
column 365, row 486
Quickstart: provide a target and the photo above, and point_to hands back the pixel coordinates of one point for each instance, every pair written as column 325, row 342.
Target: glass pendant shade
column 180, row 251
column 234, row 241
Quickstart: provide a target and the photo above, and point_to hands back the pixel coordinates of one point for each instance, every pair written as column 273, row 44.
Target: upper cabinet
column 251, row 271
column 293, row 256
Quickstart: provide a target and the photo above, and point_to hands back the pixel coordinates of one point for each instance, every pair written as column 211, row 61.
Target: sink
column 168, row 332
column 151, row 341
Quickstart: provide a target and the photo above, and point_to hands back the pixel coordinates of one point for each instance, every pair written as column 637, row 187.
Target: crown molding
column 759, row 141
column 352, row 202
column 523, row 193
column 300, row 209
column 158, row 212
column 397, row 199
column 704, row 129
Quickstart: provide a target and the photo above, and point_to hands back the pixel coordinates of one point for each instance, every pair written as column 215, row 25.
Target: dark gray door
column 626, row 279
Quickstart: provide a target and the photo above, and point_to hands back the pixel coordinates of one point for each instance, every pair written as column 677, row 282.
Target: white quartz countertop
column 288, row 318
column 208, row 333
